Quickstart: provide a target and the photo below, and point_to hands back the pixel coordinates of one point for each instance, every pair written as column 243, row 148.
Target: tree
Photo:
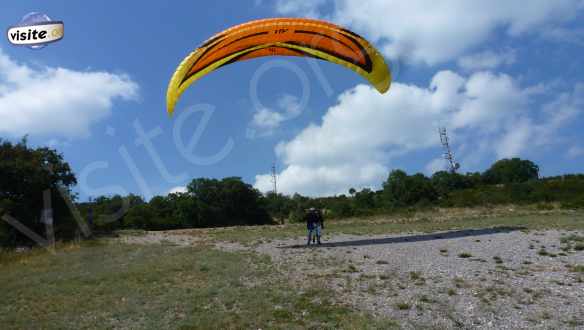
column 403, row 190
column 25, row 173
column 228, row 202
column 513, row 170
column 278, row 205
column 445, row 182
column 365, row 199
column 186, row 210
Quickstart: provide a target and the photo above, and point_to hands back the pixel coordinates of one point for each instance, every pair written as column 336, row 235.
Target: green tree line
column 26, row 173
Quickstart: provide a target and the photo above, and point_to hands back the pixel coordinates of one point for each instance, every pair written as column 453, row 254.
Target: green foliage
column 401, row 189
column 207, row 203
column 365, row 199
column 228, row 202
column 25, row 173
column 445, row 182
column 512, row 170
column 576, row 202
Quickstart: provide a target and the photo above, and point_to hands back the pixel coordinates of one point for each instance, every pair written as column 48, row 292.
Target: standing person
column 311, row 218
column 318, row 224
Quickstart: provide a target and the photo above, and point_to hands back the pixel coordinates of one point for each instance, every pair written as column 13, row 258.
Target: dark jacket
column 314, row 218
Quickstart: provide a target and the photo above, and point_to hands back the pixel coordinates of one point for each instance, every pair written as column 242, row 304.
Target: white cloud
column 309, row 8
column 515, row 140
column 56, row 101
column 575, row 152
column 178, row 190
column 435, row 165
column 487, row 60
column 487, row 115
column 324, row 180
column 437, row 31
column 56, row 143
column 266, row 121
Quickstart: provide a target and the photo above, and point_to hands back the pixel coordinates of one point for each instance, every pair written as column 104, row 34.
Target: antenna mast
column 453, row 166
column 274, row 180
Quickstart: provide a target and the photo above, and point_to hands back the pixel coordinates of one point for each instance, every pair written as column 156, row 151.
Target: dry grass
column 424, row 222
column 161, row 287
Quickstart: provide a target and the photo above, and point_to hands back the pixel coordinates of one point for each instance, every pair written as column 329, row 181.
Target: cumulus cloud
column 437, row 31
column 178, row 190
column 435, row 165
column 354, row 145
column 266, row 121
column 487, row 60
column 56, row 101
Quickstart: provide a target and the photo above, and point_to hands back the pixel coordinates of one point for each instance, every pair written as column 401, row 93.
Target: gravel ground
column 176, row 237
column 480, row 279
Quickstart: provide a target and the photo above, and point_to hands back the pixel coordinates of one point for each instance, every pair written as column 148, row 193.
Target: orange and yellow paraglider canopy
column 284, row 37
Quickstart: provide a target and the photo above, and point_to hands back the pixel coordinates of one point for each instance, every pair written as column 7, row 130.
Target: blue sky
column 505, row 80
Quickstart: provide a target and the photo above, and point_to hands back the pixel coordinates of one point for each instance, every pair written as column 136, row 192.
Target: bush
column 574, row 203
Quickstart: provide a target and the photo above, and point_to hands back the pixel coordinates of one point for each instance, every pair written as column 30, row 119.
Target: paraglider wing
column 285, row 37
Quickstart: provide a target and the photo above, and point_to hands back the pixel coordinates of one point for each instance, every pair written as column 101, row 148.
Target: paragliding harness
column 314, row 224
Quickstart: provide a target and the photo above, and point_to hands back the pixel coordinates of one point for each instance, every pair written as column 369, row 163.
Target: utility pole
column 453, row 166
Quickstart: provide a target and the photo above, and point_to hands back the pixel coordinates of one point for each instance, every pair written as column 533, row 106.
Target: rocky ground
column 501, row 278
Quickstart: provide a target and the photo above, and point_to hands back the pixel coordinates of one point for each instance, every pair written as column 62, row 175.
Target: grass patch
column 352, row 269
column 492, row 293
column 416, row 276
column 572, row 238
column 460, row 283
column 131, row 232
column 161, row 287
column 403, row 306
column 575, row 242
column 574, row 322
